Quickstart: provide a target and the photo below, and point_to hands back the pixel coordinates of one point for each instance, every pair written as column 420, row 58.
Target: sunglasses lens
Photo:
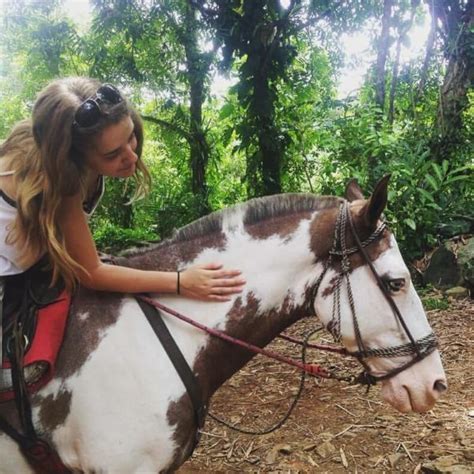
column 87, row 114
column 109, row 93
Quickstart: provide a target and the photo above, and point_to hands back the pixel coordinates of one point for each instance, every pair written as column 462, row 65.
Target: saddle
column 33, row 323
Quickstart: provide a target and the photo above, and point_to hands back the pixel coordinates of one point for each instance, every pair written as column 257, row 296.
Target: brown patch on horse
column 170, row 255
column 219, row 360
column 181, row 415
column 322, row 232
column 322, row 239
column 281, row 213
column 54, row 410
column 245, row 321
column 92, row 312
column 283, row 226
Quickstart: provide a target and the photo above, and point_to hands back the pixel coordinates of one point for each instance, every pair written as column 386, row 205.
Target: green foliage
column 432, row 299
column 427, row 201
column 433, row 303
column 111, row 238
column 283, row 105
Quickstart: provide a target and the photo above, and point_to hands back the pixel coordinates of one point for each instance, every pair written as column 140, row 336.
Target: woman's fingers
column 229, row 282
column 226, row 273
column 218, row 298
column 217, row 271
column 211, row 266
column 226, row 290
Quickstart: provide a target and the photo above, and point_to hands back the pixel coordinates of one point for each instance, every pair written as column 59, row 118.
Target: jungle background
column 281, row 125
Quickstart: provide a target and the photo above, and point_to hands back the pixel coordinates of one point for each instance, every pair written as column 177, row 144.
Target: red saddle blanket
column 39, row 361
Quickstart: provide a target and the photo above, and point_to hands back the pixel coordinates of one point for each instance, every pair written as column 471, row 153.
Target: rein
column 311, row 369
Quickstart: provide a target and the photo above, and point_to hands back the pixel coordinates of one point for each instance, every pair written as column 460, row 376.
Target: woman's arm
column 209, row 282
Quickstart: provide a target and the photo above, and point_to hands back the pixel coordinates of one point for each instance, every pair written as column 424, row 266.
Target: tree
column 456, row 20
column 259, row 34
column 157, row 46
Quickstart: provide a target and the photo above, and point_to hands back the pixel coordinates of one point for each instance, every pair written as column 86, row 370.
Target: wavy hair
column 48, row 156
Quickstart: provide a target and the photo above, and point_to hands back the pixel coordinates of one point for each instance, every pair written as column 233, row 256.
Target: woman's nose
column 130, row 154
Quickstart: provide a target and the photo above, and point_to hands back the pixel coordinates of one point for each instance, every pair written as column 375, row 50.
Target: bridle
column 420, row 348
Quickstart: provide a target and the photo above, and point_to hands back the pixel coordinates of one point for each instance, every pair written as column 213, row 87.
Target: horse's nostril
column 440, row 386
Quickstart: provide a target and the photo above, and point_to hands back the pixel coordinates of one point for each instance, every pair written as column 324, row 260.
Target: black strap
column 155, row 319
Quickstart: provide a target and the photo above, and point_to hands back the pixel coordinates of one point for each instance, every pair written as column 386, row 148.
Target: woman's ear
column 353, row 191
column 376, row 203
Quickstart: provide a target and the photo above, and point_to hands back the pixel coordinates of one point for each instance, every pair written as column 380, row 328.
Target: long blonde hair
column 47, row 154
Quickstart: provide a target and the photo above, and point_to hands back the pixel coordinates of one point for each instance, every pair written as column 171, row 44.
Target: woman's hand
column 210, row 282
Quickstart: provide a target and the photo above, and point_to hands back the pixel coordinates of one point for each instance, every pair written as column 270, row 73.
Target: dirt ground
column 337, row 427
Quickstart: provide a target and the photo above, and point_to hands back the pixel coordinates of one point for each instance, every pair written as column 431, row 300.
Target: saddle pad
column 39, row 361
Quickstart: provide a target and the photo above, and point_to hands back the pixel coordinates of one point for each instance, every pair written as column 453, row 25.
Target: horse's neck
column 278, row 267
column 220, row 360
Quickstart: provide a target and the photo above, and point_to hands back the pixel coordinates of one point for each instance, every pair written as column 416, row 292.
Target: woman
column 51, row 178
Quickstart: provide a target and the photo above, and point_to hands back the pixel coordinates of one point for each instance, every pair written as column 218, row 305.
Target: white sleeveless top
column 9, row 254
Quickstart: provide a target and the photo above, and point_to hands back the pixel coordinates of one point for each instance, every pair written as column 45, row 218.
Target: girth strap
column 188, row 378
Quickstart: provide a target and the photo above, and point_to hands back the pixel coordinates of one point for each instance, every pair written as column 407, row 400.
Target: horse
column 116, row 403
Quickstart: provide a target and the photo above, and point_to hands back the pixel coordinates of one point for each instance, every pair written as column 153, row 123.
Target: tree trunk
column 459, row 37
column 197, row 66
column 382, row 55
column 380, row 76
column 429, row 52
column 270, row 150
column 393, row 85
column 402, row 31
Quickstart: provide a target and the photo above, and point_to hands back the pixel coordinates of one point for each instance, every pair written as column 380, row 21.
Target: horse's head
column 367, row 300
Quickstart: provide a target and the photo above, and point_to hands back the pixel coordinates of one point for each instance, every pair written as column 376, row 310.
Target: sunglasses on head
column 90, row 111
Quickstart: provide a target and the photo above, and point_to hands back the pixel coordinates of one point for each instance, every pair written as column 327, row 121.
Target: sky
column 356, row 47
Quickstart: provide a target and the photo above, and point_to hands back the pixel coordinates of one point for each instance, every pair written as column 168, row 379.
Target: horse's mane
column 254, row 210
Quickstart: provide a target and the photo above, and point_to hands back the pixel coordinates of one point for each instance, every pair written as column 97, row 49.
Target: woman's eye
column 396, row 284
column 111, row 156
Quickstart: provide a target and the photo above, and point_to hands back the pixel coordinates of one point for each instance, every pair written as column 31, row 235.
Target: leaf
column 432, row 182
column 226, row 110
column 457, row 178
column 438, row 171
column 445, row 166
column 426, row 194
column 461, row 169
column 410, row 223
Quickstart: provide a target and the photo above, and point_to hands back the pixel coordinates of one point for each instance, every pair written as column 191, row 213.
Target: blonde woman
column 51, row 177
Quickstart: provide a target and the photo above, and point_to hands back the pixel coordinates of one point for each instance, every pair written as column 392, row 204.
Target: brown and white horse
column 117, row 405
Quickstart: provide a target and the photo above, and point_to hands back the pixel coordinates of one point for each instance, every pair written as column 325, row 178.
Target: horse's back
column 107, row 407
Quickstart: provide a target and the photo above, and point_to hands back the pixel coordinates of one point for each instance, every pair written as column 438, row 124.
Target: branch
column 170, row 126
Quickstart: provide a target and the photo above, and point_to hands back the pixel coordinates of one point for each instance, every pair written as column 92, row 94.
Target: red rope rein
column 321, row 347
column 311, row 369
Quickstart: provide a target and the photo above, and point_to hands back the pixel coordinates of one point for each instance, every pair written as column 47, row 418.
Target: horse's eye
column 395, row 284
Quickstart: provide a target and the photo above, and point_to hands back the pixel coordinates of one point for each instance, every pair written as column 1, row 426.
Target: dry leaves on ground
column 337, row 427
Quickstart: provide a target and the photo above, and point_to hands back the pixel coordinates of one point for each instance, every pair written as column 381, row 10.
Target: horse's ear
column 377, row 202
column 353, row 191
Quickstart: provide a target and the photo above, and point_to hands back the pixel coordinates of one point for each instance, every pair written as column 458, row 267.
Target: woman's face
column 113, row 151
